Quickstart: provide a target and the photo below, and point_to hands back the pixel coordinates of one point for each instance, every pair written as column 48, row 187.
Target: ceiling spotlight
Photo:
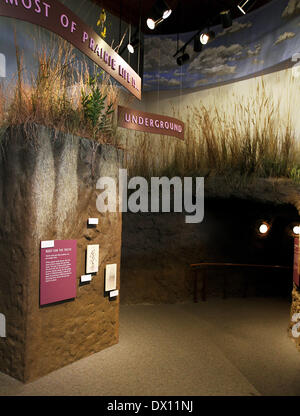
column 183, row 59
column 167, row 13
column 244, row 6
column 207, row 36
column 162, row 9
column 132, row 45
column 197, row 44
column 151, row 23
column 204, row 38
column 160, row 12
column 226, row 19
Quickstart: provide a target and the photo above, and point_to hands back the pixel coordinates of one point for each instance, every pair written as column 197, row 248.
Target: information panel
column 58, row 271
column 296, row 261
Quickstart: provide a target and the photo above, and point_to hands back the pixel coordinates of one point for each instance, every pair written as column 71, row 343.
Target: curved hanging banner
column 129, row 118
column 57, row 18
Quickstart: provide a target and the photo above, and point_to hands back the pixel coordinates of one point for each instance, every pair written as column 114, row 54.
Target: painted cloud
column 236, row 27
column 284, row 36
column 292, row 9
column 219, row 70
column 165, row 82
column 200, row 82
column 255, row 51
column 214, row 58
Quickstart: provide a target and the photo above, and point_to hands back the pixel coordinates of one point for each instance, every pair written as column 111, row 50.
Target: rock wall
column 47, row 192
column 157, row 250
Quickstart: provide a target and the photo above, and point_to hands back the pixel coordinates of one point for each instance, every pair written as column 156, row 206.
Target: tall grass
column 252, row 139
column 52, row 95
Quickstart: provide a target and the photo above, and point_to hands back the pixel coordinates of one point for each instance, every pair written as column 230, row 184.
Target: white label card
column 93, row 221
column 47, row 244
column 86, row 278
column 113, row 293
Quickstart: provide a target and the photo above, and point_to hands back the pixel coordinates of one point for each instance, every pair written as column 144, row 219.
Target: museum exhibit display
column 149, row 198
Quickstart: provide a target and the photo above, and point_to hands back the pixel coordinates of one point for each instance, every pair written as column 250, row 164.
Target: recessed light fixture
column 296, row 230
column 263, row 228
column 293, row 229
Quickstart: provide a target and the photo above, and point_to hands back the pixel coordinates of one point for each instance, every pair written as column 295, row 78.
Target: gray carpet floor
column 218, row 347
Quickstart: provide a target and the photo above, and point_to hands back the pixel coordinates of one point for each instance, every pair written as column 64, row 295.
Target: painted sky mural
column 255, row 42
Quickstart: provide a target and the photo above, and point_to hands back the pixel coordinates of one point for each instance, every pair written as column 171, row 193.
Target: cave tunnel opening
column 159, row 248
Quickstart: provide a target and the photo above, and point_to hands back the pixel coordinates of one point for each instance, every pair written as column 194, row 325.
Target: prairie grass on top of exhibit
column 62, row 93
column 246, row 136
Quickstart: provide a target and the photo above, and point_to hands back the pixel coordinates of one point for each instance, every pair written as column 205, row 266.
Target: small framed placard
column 92, row 259
column 110, row 277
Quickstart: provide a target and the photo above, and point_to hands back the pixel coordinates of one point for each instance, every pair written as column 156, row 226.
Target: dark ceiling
column 188, row 15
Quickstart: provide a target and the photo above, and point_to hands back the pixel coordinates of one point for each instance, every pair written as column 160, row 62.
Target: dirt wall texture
column 48, row 192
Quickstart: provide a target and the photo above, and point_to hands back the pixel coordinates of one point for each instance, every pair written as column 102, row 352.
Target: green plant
column 96, row 112
column 51, row 93
column 295, row 174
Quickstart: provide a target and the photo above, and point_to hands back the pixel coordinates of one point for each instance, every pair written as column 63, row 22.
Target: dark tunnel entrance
column 159, row 248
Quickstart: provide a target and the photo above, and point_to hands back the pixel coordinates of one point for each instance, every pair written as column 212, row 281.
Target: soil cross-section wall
column 48, row 192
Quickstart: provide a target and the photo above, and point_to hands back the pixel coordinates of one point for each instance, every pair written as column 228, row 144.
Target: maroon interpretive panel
column 296, row 261
column 150, row 123
column 58, row 272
